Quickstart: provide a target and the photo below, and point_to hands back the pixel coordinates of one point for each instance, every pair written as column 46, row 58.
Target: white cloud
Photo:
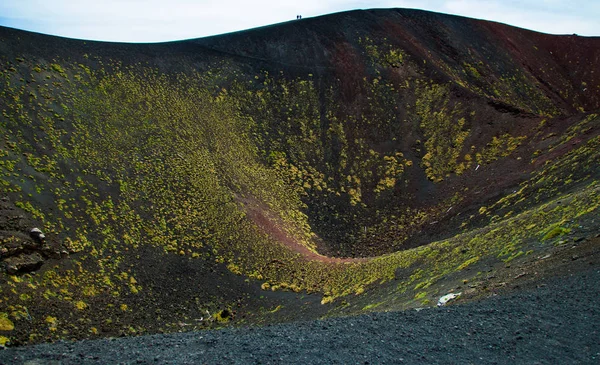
column 159, row 20
column 549, row 16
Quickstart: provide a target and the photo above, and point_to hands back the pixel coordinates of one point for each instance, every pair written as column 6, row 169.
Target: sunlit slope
column 197, row 182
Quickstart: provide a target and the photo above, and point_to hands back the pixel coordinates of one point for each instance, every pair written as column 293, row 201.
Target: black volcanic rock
column 23, row 263
column 553, row 323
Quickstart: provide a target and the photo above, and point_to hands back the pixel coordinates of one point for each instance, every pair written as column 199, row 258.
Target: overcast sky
column 166, row 20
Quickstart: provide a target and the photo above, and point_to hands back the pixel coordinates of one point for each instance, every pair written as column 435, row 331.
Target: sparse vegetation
column 229, row 177
column 444, row 130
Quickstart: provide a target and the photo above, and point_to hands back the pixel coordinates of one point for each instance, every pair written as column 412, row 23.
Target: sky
column 160, row 20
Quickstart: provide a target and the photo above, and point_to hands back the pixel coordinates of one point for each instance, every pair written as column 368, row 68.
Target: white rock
column 446, row 298
column 36, row 232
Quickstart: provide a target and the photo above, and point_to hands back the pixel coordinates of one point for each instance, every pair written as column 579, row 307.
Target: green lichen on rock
column 555, row 232
column 445, row 130
column 5, row 323
column 498, row 147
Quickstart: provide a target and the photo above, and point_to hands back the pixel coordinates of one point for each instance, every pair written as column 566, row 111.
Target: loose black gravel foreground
column 555, row 323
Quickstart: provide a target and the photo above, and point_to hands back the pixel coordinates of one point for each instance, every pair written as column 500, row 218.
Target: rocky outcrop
column 23, row 247
column 23, row 263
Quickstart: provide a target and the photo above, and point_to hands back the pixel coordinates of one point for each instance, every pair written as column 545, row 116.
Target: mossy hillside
column 334, row 169
column 560, row 173
column 109, row 138
column 112, row 159
column 444, row 130
column 348, row 162
column 127, row 159
column 466, row 258
column 489, row 74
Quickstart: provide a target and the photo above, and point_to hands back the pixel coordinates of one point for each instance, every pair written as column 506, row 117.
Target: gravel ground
column 554, row 323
